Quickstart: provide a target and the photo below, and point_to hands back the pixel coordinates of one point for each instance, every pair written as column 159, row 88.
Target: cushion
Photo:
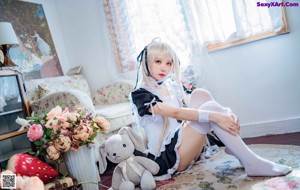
column 115, row 93
column 66, row 83
column 114, row 110
column 53, row 84
column 32, row 90
column 118, row 115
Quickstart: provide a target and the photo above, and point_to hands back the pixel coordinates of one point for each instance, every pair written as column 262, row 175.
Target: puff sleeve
column 143, row 100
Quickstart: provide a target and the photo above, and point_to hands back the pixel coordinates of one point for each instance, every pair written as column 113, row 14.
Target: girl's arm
column 189, row 114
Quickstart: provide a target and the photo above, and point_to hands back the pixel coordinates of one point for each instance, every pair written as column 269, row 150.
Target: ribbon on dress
column 133, row 164
column 150, row 104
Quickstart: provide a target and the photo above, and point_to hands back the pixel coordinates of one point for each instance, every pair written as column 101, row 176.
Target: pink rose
column 53, row 153
column 52, row 123
column 66, row 125
column 73, row 116
column 35, row 132
column 82, row 132
column 62, row 143
column 75, row 147
column 102, row 123
column 63, row 120
column 70, row 116
column 54, row 112
column 66, row 118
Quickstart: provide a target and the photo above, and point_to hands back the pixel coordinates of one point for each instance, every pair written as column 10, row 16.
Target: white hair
column 155, row 48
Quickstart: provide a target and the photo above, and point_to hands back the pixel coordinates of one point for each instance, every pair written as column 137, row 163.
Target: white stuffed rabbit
column 131, row 170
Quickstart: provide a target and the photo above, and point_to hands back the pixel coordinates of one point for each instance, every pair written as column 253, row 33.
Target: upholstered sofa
column 110, row 101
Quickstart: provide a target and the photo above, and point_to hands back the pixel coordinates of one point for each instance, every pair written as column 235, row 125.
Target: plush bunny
column 131, row 170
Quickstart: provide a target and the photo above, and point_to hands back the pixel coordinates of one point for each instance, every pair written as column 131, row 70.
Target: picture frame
column 13, row 104
column 35, row 56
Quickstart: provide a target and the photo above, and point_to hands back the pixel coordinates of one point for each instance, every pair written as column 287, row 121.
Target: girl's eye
column 169, row 63
column 157, row 61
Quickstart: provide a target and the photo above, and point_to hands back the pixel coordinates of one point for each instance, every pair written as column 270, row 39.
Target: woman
column 176, row 134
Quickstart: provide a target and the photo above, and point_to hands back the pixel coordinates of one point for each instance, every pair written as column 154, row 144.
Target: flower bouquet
column 61, row 130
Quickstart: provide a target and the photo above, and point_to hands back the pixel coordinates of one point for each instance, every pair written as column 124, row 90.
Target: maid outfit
column 164, row 154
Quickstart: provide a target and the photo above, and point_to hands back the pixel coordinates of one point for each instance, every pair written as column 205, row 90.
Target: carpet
column 224, row 172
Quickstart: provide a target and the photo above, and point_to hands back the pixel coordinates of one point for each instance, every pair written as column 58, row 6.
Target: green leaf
column 32, row 118
column 48, row 132
column 37, row 143
column 31, row 153
column 32, row 114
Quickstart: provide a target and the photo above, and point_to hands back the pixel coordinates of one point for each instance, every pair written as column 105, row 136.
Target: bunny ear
column 102, row 158
column 136, row 139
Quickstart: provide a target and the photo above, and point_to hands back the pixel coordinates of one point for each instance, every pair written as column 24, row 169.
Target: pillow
column 47, row 88
column 44, row 90
column 112, row 94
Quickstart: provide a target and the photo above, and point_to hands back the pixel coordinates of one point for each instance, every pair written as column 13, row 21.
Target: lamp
column 8, row 38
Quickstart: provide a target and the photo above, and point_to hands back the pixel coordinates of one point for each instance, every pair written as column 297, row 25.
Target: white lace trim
column 168, row 138
column 148, row 118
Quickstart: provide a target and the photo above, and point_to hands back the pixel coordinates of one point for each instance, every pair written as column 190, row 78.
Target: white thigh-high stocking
column 254, row 165
column 198, row 97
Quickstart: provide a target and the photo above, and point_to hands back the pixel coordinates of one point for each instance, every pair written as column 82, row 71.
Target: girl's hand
column 236, row 120
column 229, row 123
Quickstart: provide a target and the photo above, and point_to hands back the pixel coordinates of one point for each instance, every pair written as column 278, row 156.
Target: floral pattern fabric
column 223, row 171
column 73, row 99
column 112, row 94
column 38, row 88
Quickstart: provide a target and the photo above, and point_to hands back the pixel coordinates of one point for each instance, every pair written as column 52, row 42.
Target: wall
column 82, row 24
column 78, row 33
column 258, row 80
column 56, row 32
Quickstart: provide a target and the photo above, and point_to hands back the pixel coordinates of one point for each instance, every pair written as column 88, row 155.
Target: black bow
column 140, row 58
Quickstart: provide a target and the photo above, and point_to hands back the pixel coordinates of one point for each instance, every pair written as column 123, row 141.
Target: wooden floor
column 287, row 139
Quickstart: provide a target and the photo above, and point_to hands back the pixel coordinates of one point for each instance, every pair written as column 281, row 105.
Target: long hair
column 149, row 53
column 153, row 49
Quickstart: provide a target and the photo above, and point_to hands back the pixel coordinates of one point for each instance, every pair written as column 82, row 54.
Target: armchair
column 110, row 101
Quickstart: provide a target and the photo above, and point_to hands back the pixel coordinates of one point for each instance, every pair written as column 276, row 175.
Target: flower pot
column 81, row 165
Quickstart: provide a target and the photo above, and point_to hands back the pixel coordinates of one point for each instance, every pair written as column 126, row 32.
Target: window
column 243, row 21
column 188, row 26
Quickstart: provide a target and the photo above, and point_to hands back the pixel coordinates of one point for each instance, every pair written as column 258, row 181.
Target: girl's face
column 161, row 66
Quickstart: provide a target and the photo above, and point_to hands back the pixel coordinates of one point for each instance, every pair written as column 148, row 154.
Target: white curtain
column 219, row 21
column 187, row 25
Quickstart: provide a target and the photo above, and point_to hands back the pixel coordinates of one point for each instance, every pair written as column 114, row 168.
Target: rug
column 224, row 172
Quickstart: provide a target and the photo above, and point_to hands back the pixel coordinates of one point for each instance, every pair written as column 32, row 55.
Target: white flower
column 23, row 122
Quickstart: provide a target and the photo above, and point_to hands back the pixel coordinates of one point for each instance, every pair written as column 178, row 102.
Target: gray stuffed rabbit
column 131, row 170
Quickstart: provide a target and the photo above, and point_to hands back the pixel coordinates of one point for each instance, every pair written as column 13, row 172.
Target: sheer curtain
column 219, row 21
column 187, row 25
